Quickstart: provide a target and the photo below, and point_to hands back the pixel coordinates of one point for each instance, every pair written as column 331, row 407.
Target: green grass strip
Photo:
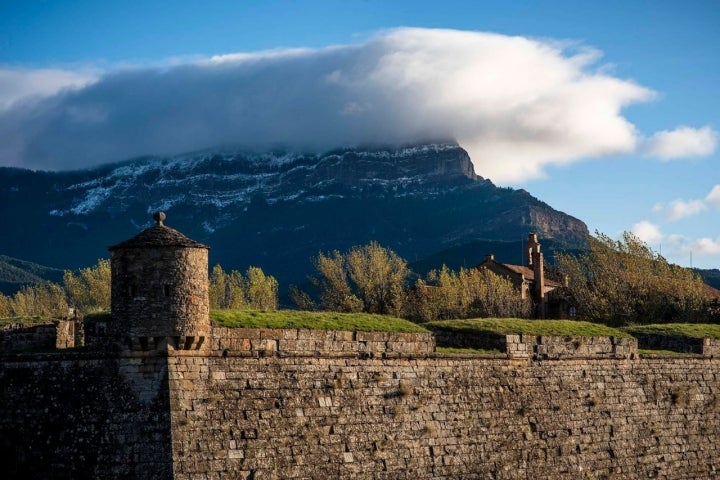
column 516, row 326
column 690, row 330
column 362, row 322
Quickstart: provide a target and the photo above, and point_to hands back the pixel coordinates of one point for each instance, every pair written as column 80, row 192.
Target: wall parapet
column 544, row 347
column 303, row 342
column 709, row 347
column 49, row 335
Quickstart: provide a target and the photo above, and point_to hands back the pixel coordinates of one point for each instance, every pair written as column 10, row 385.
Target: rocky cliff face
column 274, row 210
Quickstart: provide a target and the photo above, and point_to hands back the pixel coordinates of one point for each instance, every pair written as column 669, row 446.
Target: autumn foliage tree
column 88, row 290
column 619, row 282
column 468, row 293
column 368, row 278
column 233, row 290
column 43, row 300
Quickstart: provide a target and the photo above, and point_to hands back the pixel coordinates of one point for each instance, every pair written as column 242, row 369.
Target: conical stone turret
column 160, row 289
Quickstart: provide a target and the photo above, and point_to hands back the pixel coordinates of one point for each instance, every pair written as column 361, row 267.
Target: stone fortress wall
column 443, row 416
column 275, row 404
column 159, row 393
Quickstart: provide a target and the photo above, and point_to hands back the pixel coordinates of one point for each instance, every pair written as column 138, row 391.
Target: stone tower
column 160, row 289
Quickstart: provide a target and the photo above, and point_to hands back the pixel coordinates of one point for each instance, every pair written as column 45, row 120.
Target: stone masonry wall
column 80, row 416
column 452, row 417
column 27, row 336
column 303, row 404
column 304, row 342
column 542, row 346
column 704, row 346
column 711, row 347
column 160, row 292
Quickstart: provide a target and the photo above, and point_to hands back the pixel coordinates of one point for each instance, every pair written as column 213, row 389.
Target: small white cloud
column 683, row 142
column 647, row 232
column 713, row 198
column 705, row 246
column 676, row 240
column 678, row 209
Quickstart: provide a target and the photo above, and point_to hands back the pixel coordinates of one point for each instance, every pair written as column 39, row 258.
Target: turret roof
column 159, row 235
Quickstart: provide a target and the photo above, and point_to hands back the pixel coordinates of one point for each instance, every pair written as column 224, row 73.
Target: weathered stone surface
column 445, row 417
column 25, row 336
column 264, row 341
column 80, row 416
column 316, row 405
column 160, row 286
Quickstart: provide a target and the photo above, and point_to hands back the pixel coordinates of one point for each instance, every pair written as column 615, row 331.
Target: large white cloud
column 683, row 142
column 18, row 84
column 518, row 105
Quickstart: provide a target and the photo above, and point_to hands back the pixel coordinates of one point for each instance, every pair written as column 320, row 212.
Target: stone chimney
column 159, row 289
column 537, row 263
column 489, row 257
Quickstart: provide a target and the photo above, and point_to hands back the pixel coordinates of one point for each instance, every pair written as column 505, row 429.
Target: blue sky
column 597, row 84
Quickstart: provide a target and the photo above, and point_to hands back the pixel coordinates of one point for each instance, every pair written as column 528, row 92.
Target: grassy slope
column 380, row 323
column 691, row 330
column 314, row 320
column 505, row 326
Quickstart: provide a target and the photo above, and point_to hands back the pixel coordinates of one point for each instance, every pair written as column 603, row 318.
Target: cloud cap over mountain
column 516, row 104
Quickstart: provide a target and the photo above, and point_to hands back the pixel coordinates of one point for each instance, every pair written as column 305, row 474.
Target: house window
column 166, row 290
column 132, row 291
column 572, row 312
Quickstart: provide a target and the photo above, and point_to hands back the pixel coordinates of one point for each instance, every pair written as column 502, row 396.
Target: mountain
column 16, row 273
column 275, row 210
column 710, row 276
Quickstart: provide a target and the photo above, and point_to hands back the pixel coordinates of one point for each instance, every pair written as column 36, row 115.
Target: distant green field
column 510, row 326
column 690, row 330
column 362, row 322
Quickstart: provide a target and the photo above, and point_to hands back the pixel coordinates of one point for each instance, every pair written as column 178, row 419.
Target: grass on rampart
column 516, row 326
column 689, row 330
column 361, row 322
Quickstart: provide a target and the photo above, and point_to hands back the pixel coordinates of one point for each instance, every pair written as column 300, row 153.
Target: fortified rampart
column 305, row 404
column 159, row 393
column 453, row 417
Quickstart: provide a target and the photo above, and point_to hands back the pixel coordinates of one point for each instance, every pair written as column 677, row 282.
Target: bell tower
column 537, row 263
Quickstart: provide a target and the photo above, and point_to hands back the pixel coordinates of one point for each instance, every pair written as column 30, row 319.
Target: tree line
column 88, row 290
column 621, row 282
column 374, row 279
column 616, row 282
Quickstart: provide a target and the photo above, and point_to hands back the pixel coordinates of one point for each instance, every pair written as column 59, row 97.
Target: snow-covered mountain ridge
column 276, row 210
column 223, row 180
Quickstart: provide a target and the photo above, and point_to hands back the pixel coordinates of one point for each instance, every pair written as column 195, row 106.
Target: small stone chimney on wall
column 537, row 263
column 159, row 293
